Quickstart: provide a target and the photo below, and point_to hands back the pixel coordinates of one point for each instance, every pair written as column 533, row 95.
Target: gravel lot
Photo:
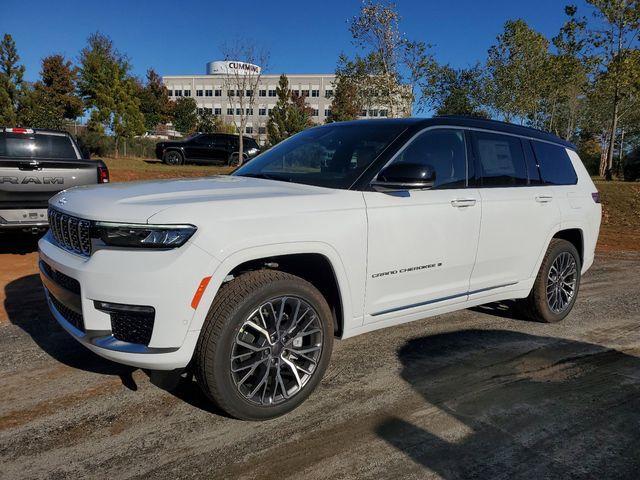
column 474, row 394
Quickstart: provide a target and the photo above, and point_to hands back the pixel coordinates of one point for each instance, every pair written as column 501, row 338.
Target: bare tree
column 244, row 65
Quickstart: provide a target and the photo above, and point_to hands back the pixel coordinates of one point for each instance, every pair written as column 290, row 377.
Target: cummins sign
column 232, row 67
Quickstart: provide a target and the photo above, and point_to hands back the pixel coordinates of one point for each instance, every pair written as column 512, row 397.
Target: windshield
column 331, row 156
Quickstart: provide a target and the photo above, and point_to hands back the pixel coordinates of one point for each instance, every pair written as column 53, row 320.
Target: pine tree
column 11, row 83
column 289, row 116
column 154, row 101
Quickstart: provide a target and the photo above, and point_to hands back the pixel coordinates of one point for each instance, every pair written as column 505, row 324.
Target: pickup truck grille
column 71, row 233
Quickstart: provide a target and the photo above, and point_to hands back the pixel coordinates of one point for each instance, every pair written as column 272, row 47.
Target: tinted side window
column 501, row 159
column 555, row 164
column 445, row 151
column 202, row 140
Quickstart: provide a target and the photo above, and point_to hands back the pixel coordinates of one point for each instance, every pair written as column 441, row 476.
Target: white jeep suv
column 342, row 229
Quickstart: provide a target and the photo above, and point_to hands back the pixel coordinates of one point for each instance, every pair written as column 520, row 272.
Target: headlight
column 134, row 235
column 251, row 151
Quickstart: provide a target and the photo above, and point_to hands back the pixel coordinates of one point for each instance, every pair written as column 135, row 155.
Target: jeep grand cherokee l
column 342, row 229
column 36, row 164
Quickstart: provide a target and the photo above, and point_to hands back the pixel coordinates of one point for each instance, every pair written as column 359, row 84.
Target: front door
column 422, row 243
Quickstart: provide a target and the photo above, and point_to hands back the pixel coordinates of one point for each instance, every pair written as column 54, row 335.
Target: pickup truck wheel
column 265, row 344
column 233, row 159
column 172, row 157
column 556, row 287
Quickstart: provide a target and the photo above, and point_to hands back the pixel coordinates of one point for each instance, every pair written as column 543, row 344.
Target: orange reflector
column 198, row 295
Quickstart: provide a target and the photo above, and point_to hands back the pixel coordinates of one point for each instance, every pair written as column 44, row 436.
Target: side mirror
column 405, row 176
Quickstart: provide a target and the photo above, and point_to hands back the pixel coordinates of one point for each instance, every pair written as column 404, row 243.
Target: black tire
column 537, row 305
column 233, row 304
column 173, row 157
column 233, row 159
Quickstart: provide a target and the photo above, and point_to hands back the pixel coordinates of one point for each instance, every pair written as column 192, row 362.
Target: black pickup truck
column 35, row 165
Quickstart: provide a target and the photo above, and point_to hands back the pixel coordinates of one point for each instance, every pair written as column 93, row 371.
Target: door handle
column 544, row 198
column 463, row 202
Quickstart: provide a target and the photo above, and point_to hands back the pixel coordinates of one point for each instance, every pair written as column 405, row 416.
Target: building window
column 383, row 113
column 231, row 93
column 249, row 93
column 238, row 111
column 304, row 93
column 272, row 93
column 229, row 111
column 209, row 110
column 217, row 111
column 363, row 113
column 327, row 112
column 199, row 93
column 262, row 130
column 248, row 129
column 269, row 111
column 262, row 93
column 178, row 93
column 296, row 92
column 262, row 111
column 373, row 113
column 315, row 93
column 200, row 111
column 170, row 93
column 208, row 93
column 249, row 111
column 217, row 93
column 328, row 93
column 238, row 93
column 314, row 112
column 187, row 93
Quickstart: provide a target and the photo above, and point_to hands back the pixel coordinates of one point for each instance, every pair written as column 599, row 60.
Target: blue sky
column 179, row 37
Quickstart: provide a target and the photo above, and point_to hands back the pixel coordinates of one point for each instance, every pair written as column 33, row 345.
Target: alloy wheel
column 561, row 282
column 276, row 350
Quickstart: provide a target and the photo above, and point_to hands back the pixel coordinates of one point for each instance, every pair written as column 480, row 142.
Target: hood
column 136, row 202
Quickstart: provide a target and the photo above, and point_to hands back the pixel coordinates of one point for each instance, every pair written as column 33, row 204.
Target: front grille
column 132, row 327
column 61, row 279
column 69, row 315
column 71, row 233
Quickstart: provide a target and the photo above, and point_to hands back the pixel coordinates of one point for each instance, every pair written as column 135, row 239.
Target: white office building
column 214, row 93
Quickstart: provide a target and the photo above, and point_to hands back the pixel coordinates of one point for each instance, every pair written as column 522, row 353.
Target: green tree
column 11, row 83
column 615, row 39
column 289, row 115
column 185, row 115
column 108, row 90
column 458, row 92
column 518, row 73
column 154, row 101
column 53, row 99
column 209, row 123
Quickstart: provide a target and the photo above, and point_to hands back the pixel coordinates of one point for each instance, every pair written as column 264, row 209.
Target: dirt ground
column 474, row 394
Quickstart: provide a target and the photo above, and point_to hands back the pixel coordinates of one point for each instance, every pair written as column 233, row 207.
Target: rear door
column 518, row 212
column 35, row 166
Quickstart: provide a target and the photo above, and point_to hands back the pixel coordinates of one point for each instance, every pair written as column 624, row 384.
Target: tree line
column 583, row 84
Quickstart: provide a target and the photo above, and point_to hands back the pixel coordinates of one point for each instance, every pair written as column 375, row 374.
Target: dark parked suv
column 206, row 148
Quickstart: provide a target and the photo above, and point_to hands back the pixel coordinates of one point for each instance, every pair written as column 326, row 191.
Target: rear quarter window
column 555, row 165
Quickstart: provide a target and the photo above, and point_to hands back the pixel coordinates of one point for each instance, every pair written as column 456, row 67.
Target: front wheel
column 265, row 345
column 172, row 157
column 556, row 287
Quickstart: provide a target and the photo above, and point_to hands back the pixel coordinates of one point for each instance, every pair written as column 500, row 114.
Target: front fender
column 224, row 267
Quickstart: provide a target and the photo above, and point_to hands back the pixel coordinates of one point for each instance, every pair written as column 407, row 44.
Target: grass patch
column 132, row 169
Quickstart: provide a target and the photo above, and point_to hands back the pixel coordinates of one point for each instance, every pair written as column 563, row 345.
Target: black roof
column 472, row 122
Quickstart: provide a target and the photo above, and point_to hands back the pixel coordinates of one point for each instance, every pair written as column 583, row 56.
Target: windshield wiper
column 267, row 176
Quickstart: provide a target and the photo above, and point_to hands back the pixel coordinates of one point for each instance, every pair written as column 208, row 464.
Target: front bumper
column 165, row 280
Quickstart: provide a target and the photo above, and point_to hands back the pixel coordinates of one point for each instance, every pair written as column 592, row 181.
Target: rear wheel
column 265, row 345
column 173, row 157
column 233, row 159
column 556, row 287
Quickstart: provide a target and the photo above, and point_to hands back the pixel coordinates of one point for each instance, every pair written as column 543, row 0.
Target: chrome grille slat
column 71, row 233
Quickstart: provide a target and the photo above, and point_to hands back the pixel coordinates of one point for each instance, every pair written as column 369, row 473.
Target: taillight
column 18, row 130
column 596, row 197
column 103, row 174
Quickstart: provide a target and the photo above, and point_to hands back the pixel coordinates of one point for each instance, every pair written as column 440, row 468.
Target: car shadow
column 504, row 309
column 501, row 404
column 20, row 243
column 27, row 308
